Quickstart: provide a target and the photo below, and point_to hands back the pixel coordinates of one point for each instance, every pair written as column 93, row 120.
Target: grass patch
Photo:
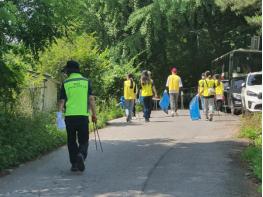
column 253, row 155
column 251, row 128
column 23, row 138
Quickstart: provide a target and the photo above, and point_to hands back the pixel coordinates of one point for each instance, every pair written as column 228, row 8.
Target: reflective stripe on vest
column 174, row 81
column 147, row 89
column 76, row 88
column 129, row 93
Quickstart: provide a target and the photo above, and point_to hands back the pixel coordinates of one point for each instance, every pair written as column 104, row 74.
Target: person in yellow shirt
column 209, row 95
column 174, row 84
column 200, row 90
column 219, row 92
column 129, row 96
column 147, row 92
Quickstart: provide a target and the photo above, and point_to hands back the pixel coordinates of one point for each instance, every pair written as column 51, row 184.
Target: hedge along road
column 170, row 157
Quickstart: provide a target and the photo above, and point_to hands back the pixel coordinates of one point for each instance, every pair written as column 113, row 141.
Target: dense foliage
column 106, row 75
column 187, row 34
column 23, row 138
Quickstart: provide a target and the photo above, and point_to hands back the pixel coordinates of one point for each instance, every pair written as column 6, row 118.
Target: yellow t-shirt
column 219, row 88
column 208, row 84
column 147, row 89
column 200, row 87
column 174, row 83
column 129, row 93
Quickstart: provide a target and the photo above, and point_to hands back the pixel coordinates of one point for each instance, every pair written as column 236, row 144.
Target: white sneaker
column 172, row 114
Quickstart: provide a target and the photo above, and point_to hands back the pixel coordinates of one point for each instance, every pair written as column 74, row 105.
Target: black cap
column 71, row 64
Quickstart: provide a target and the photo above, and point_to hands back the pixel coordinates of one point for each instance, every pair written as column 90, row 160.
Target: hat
column 173, row 70
column 71, row 64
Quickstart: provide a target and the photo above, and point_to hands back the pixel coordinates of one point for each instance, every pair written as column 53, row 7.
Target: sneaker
column 80, row 162
column 211, row 118
column 147, row 120
column 74, row 167
column 172, row 114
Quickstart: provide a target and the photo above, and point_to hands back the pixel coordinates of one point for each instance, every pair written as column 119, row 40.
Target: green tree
column 106, row 75
column 251, row 9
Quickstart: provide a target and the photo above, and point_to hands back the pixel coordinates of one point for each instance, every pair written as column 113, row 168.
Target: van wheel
column 228, row 110
column 234, row 111
column 237, row 112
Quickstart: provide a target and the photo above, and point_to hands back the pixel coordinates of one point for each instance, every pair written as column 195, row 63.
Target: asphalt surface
column 168, row 157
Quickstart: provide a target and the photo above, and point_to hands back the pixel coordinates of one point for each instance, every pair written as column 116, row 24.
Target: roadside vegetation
column 251, row 128
column 24, row 137
column 109, row 39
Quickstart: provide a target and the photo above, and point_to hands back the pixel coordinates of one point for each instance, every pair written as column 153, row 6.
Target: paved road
column 168, row 157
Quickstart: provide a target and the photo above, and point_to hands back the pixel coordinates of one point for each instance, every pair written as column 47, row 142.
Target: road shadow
column 153, row 167
column 124, row 124
column 156, row 121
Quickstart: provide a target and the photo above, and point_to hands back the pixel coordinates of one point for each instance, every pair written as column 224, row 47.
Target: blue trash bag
column 122, row 102
column 194, row 108
column 164, row 102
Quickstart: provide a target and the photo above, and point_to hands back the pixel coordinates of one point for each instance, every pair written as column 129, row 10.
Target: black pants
column 77, row 126
column 219, row 104
column 147, row 107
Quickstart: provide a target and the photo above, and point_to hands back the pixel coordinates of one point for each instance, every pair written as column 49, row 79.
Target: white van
column 251, row 94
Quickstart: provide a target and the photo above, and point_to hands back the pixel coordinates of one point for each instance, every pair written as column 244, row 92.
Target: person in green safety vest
column 75, row 100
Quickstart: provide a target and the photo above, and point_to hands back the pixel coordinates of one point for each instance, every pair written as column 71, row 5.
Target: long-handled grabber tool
column 96, row 133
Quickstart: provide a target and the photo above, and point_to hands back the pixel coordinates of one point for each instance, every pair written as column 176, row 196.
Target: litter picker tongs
column 96, row 134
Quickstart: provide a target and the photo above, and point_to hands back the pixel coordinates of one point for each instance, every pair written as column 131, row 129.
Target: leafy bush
column 11, row 80
column 251, row 128
column 107, row 111
column 106, row 75
column 23, row 138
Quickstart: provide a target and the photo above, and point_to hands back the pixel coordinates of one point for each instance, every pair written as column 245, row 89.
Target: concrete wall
column 49, row 95
column 43, row 98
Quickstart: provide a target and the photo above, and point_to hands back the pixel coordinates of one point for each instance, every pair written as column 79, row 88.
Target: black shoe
column 74, row 168
column 80, row 162
column 211, row 118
